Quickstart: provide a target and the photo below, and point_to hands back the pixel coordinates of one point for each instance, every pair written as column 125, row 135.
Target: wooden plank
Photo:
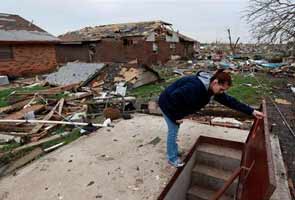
column 13, row 128
column 20, row 134
column 47, row 117
column 86, row 94
column 105, row 124
column 20, row 114
column 38, row 136
column 61, row 104
column 33, row 144
column 51, row 91
column 14, row 107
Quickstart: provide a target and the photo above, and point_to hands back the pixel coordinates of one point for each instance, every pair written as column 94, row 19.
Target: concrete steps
column 201, row 193
column 218, row 156
column 213, row 178
column 214, row 166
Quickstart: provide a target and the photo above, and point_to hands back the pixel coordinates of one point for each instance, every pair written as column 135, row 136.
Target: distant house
column 148, row 42
column 25, row 49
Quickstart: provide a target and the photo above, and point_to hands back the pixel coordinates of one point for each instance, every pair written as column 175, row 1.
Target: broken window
column 6, row 52
column 155, row 47
column 172, row 45
column 127, row 42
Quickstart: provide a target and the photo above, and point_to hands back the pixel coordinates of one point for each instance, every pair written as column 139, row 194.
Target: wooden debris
column 36, row 137
column 83, row 95
column 61, row 104
column 33, row 144
column 22, row 161
column 50, row 122
column 282, row 101
column 47, row 117
column 21, row 114
column 13, row 128
column 14, row 107
column 51, row 91
column 19, row 134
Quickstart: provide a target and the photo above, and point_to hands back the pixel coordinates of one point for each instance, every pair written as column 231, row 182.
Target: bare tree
column 272, row 20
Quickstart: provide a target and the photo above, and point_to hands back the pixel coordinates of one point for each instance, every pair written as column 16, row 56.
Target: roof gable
column 14, row 28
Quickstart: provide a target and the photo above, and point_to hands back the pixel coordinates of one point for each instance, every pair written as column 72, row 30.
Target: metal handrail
column 221, row 191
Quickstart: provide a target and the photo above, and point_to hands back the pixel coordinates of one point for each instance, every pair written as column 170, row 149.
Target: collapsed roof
column 14, row 28
column 138, row 29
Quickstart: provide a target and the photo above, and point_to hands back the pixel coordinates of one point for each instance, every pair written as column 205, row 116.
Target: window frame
column 9, row 52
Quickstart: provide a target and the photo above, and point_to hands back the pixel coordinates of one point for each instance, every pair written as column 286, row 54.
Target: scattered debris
column 72, row 73
column 282, row 101
column 22, row 161
column 155, row 141
column 227, row 122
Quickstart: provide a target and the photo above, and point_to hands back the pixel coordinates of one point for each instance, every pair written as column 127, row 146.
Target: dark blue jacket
column 189, row 94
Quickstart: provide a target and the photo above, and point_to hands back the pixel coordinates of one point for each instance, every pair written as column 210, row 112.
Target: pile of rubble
column 77, row 99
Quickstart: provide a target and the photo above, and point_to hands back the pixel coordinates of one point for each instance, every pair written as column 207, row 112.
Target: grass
column 4, row 94
column 246, row 88
column 251, row 90
column 150, row 91
column 9, row 146
column 72, row 136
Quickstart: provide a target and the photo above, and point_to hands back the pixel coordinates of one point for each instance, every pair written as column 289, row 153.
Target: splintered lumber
column 13, row 128
column 105, row 124
column 33, row 144
column 14, row 107
column 23, row 160
column 20, row 114
column 38, row 136
column 61, row 104
column 47, row 117
column 19, row 134
column 51, row 91
column 83, row 95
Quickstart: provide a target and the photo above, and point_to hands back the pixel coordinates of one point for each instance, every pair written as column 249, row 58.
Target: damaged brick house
column 25, row 49
column 148, row 42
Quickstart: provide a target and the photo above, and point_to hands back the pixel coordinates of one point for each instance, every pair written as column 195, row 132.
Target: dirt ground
column 124, row 162
column 278, row 127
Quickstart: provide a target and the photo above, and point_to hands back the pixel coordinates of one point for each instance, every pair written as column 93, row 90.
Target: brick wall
column 116, row 51
column 112, row 50
column 30, row 59
column 72, row 52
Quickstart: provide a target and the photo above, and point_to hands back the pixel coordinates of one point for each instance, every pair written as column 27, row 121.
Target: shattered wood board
column 128, row 75
column 13, row 128
column 13, row 107
column 20, row 114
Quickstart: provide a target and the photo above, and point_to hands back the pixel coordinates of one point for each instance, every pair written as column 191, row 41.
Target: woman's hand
column 179, row 121
column 258, row 114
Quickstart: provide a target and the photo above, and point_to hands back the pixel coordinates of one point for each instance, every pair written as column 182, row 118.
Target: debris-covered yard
column 79, row 117
column 124, row 162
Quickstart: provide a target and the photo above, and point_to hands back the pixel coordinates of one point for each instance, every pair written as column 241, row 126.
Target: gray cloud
column 204, row 20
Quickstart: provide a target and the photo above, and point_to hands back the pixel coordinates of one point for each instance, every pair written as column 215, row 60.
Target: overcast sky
column 204, row 20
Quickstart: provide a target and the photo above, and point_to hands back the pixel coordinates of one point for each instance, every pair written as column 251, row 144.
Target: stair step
column 200, row 193
column 219, row 156
column 212, row 178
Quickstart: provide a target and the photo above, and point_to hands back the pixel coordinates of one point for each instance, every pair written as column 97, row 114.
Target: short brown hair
column 222, row 77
